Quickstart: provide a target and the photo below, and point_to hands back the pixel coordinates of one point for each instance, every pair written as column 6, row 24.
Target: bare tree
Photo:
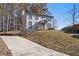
column 74, row 14
column 12, row 13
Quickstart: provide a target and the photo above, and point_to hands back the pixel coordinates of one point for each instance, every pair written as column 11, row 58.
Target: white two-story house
column 37, row 21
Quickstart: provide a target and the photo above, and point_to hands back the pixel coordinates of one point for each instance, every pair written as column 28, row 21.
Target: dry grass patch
column 4, row 51
column 56, row 40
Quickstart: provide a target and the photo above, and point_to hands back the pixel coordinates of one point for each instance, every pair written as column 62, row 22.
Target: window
column 42, row 16
column 36, row 17
column 29, row 16
column 48, row 25
column 30, row 25
column 36, row 25
column 48, row 18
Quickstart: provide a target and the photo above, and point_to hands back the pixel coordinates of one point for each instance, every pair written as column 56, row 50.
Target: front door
column 42, row 26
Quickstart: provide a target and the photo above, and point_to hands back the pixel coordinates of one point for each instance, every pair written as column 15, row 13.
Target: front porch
column 42, row 24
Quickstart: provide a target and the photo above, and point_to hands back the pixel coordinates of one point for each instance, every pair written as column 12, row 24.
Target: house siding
column 34, row 20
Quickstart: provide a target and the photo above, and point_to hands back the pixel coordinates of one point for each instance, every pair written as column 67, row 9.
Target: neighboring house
column 71, row 29
column 30, row 22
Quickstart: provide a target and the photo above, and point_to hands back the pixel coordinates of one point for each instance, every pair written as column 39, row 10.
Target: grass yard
column 56, row 40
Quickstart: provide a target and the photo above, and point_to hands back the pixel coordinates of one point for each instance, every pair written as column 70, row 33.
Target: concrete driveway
column 20, row 46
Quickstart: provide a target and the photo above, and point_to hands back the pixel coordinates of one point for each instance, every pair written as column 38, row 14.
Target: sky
column 60, row 11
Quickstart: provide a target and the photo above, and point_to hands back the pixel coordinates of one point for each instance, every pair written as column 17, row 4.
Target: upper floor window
column 29, row 16
column 36, row 17
column 48, row 19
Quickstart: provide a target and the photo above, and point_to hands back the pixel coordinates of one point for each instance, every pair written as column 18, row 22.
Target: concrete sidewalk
column 20, row 46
